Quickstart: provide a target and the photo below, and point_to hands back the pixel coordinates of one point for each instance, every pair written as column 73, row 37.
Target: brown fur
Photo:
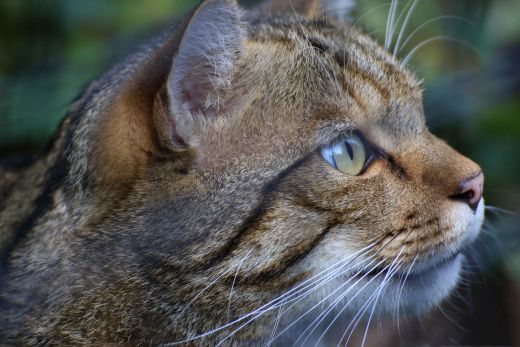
column 109, row 236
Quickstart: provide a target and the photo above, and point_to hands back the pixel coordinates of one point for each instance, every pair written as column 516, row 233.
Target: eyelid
column 373, row 152
column 331, row 131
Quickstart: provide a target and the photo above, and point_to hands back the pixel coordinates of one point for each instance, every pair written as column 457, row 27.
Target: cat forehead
column 349, row 63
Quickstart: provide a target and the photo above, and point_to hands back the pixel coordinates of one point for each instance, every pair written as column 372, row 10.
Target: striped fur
column 108, row 236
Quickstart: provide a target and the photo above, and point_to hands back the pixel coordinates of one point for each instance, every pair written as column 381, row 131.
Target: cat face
column 299, row 86
column 258, row 198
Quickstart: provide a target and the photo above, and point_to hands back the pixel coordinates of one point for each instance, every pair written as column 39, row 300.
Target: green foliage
column 52, row 48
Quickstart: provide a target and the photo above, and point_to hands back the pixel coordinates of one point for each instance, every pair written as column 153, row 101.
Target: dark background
column 50, row 49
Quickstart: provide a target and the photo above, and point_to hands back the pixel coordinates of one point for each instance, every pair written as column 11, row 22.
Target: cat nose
column 470, row 191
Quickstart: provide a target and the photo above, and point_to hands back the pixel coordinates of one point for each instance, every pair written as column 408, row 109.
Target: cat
column 239, row 175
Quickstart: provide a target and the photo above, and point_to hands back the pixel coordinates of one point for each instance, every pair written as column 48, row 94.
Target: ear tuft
column 210, row 46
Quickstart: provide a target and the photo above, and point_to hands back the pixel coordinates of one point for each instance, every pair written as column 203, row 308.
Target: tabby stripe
column 294, row 258
column 42, row 205
column 365, row 76
column 255, row 215
column 55, row 176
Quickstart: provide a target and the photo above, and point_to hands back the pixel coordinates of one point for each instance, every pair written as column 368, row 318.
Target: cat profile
column 236, row 175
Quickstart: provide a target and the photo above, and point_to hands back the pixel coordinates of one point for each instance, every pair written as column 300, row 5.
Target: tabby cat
column 244, row 175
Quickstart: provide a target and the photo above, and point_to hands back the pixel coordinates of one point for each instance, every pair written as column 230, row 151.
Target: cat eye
column 347, row 154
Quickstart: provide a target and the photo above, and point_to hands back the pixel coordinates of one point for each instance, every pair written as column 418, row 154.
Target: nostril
column 466, row 196
column 470, row 191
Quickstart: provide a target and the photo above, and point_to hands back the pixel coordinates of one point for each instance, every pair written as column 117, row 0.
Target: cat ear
column 340, row 10
column 162, row 96
column 203, row 64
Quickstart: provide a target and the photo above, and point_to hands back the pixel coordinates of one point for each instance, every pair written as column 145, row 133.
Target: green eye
column 347, row 154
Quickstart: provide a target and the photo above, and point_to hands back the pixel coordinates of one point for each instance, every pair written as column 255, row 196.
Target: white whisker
column 401, row 291
column 261, row 313
column 350, row 300
column 406, row 60
column 453, row 321
column 273, row 303
column 197, row 296
column 502, row 210
column 364, row 308
column 369, row 12
column 397, row 21
column 275, row 328
column 353, row 297
column 410, row 37
column 405, row 23
column 299, row 298
column 334, row 302
column 233, row 284
column 390, row 23
column 381, row 290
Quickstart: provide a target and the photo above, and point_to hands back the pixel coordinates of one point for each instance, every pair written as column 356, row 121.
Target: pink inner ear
column 204, row 61
column 195, row 94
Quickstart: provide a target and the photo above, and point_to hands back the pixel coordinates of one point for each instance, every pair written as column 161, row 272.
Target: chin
column 373, row 295
column 411, row 289
column 425, row 287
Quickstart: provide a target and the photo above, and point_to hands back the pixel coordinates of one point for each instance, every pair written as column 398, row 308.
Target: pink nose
column 470, row 191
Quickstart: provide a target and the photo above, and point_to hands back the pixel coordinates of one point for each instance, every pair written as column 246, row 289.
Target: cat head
column 272, row 150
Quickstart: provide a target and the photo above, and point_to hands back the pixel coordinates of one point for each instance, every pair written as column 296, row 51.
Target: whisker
column 233, row 284
column 406, row 60
column 268, row 306
column 390, row 23
column 381, row 291
column 369, row 12
column 275, row 328
column 410, row 37
column 401, row 291
column 329, row 276
column 375, row 31
column 405, row 23
column 464, row 330
column 337, row 273
column 501, row 210
column 398, row 20
column 334, row 302
column 365, row 306
column 247, row 323
column 197, row 296
column 298, row 19
column 355, row 320
column 324, row 299
column 395, row 22
column 271, row 305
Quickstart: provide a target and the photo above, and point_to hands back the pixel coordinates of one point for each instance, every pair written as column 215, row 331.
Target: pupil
column 349, row 150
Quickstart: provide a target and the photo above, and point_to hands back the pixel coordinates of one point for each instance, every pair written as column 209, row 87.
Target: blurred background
column 50, row 49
